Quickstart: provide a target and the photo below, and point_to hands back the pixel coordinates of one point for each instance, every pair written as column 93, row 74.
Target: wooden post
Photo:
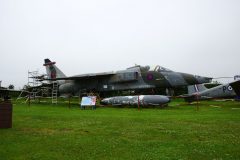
column 197, row 102
column 138, row 103
column 6, row 114
column 29, row 99
column 69, row 103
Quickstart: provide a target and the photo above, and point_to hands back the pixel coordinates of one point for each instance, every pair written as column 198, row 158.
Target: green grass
column 180, row 131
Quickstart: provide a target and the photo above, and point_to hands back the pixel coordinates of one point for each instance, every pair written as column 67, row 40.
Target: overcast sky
column 192, row 36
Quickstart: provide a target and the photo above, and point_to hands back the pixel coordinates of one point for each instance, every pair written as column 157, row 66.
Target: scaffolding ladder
column 54, row 92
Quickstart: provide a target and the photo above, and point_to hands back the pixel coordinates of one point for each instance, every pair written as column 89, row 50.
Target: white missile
column 143, row 100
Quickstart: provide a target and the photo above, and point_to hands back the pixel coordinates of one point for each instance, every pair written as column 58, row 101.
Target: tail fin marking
column 53, row 71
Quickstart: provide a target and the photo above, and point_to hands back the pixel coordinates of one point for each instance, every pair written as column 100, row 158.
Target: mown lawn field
column 179, row 131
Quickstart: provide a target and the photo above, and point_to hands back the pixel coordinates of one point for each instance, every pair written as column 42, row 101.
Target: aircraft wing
column 236, row 87
column 85, row 76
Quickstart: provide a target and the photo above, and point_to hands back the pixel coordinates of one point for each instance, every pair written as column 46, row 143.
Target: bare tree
column 11, row 86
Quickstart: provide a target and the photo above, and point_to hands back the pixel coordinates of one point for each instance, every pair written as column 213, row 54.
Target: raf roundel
column 230, row 88
column 149, row 77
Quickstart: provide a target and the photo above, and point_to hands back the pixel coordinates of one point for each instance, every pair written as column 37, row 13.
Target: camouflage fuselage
column 134, row 78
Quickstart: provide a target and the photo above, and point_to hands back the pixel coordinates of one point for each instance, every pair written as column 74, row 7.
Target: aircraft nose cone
column 103, row 102
column 166, row 100
column 156, row 99
column 169, row 100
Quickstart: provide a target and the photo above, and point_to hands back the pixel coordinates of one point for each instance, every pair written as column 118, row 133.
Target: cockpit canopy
column 156, row 68
column 147, row 68
column 159, row 69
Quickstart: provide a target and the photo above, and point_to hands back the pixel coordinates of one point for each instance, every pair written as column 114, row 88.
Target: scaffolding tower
column 37, row 87
column 33, row 82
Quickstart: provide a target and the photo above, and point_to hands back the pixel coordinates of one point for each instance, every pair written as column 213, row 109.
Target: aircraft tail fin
column 236, row 87
column 53, row 71
column 196, row 88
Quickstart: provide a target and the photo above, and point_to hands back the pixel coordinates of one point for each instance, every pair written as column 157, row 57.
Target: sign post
column 89, row 101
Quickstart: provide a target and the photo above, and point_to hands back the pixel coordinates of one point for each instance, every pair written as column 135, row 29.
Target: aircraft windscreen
column 159, row 69
column 145, row 68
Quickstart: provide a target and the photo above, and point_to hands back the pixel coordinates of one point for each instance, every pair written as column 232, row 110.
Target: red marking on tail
column 49, row 64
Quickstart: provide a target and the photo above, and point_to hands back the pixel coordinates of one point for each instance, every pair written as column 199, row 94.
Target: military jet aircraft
column 133, row 78
column 200, row 92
